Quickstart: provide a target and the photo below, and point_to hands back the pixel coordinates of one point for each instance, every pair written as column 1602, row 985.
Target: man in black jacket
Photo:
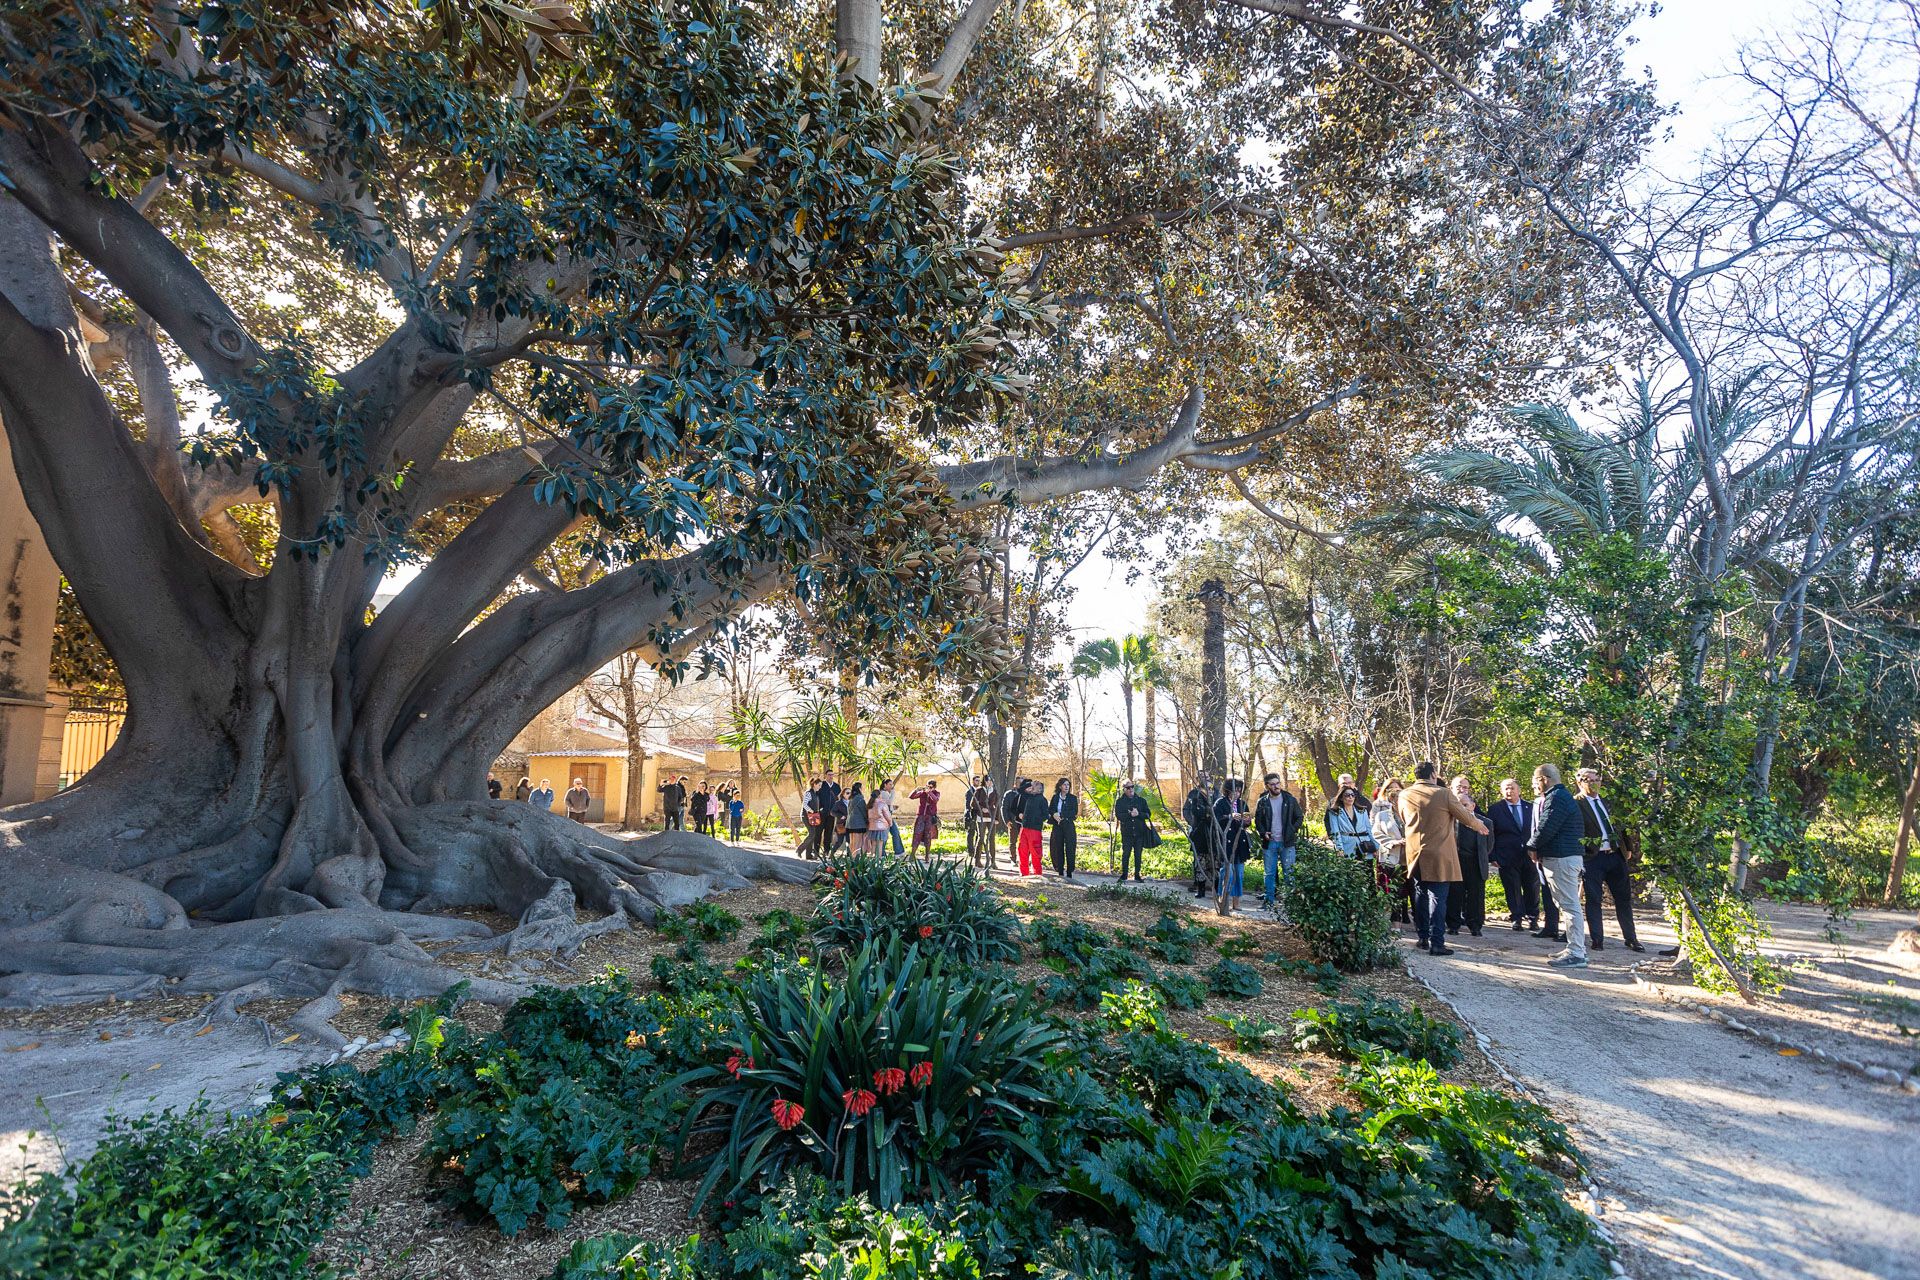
column 1133, row 813
column 1512, row 821
column 673, row 799
column 1606, row 864
column 1033, row 820
column 1277, row 817
column 1556, row 844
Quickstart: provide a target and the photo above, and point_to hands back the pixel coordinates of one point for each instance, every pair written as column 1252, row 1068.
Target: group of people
column 1031, row 818
column 1224, row 829
column 707, row 806
column 864, row 820
column 577, row 797
column 1434, row 848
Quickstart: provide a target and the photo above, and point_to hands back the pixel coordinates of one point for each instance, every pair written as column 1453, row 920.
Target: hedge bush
column 1339, row 910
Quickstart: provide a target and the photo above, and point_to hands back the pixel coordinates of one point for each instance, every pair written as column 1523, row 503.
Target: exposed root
column 70, row 934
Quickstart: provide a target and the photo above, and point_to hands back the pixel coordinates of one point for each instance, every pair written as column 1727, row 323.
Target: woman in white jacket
column 1392, row 839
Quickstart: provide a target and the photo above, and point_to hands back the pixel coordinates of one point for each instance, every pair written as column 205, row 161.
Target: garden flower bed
column 903, row 1073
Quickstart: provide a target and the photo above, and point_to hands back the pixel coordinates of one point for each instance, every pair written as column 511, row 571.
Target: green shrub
column 185, row 1195
column 1235, row 980
column 1174, row 939
column 1181, row 990
column 781, row 933
column 687, row 972
column 1250, row 1034
column 564, row 1105
column 802, row 1230
column 939, row 906
column 1240, row 944
column 700, row 921
column 1339, row 910
column 1320, row 974
column 908, row 1073
column 1357, row 1029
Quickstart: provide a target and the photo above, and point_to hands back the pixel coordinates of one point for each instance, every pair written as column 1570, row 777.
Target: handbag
column 1152, row 839
column 1367, row 847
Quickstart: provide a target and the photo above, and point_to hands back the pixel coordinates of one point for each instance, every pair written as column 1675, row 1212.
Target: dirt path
column 1718, row 1156
column 57, row 1086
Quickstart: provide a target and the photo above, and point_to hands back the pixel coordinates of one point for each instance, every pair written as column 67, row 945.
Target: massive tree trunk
column 296, row 791
column 1903, row 840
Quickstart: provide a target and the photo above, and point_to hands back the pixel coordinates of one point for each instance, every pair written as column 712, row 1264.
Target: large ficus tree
column 291, row 293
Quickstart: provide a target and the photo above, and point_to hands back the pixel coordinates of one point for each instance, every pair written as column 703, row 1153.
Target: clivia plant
column 901, row 1077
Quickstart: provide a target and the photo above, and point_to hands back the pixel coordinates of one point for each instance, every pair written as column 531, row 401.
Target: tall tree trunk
column 1319, row 751
column 1213, row 681
column 1126, row 696
column 856, row 31
column 636, row 783
column 1909, row 809
column 1150, row 736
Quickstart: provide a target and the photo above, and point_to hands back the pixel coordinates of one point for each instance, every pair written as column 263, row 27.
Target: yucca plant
column 940, row 907
column 902, row 1076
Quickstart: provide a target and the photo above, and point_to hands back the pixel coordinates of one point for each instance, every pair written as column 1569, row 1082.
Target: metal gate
column 92, row 725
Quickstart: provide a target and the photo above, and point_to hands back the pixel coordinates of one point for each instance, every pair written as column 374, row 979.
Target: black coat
column 829, row 796
column 1509, row 837
column 1065, row 808
column 1233, row 833
column 1013, row 804
column 1132, row 813
column 1475, row 849
column 1033, row 811
column 673, row 796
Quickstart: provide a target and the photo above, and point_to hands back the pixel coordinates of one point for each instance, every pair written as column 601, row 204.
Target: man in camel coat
column 1427, row 812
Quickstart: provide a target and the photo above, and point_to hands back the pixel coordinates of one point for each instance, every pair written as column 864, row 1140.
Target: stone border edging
column 1879, row 1075
column 1590, row 1193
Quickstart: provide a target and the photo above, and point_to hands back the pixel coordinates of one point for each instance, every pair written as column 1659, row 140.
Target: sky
column 1688, row 46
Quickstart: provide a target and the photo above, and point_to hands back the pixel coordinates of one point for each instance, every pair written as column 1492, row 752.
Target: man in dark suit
column 1512, row 821
column 1606, row 863
column 1467, row 903
column 1555, row 844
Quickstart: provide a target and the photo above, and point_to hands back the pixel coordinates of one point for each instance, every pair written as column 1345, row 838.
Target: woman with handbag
column 1391, row 840
column 1350, row 827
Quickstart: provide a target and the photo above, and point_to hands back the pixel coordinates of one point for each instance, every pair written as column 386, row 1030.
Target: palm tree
column 1135, row 660
column 1558, row 487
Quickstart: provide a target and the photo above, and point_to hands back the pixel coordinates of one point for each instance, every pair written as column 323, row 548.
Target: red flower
column 858, row 1101
column 889, row 1080
column 788, row 1114
column 922, row 1074
column 926, row 931
column 735, row 1062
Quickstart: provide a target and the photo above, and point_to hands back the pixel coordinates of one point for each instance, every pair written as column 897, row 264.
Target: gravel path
column 1716, row 1156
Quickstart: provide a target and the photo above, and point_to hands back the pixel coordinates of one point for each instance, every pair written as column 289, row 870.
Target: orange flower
column 926, row 931
column 922, row 1074
column 858, row 1101
column 889, row 1080
column 788, row 1114
column 735, row 1062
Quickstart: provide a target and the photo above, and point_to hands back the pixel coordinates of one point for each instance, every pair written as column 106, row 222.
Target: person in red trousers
column 1033, row 820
